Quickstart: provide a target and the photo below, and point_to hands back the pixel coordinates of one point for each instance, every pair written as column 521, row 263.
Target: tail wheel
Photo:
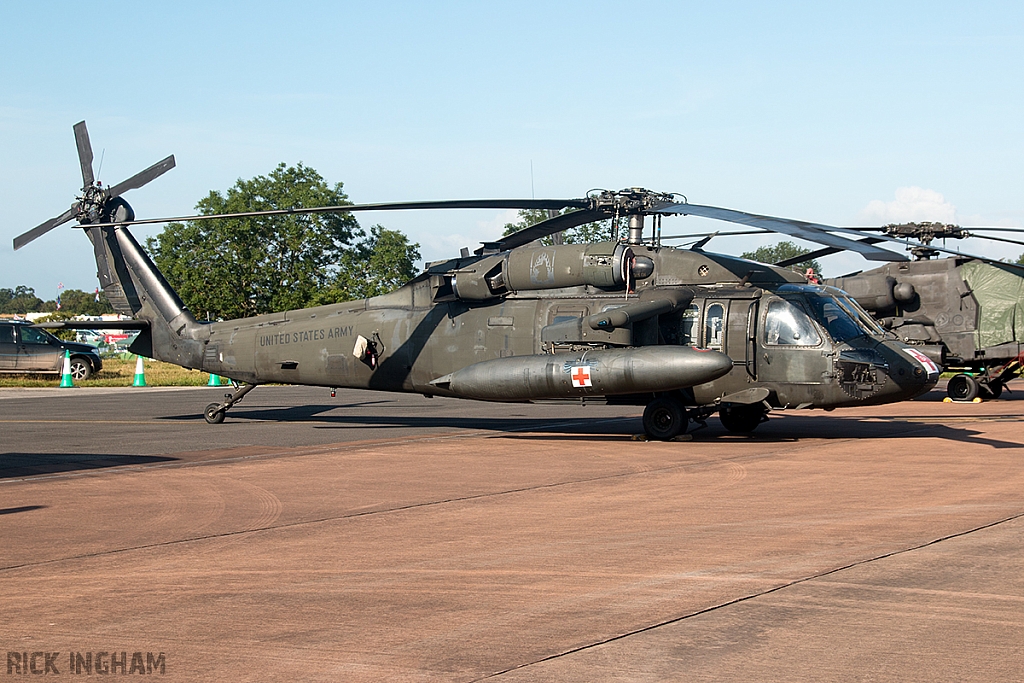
column 741, row 418
column 962, row 388
column 214, row 413
column 80, row 369
column 665, row 419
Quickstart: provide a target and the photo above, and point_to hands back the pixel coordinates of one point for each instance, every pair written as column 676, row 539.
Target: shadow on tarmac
column 32, row 464
column 23, row 508
column 561, row 425
column 781, row 428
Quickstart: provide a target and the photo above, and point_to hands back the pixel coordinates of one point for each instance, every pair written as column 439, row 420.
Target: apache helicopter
column 685, row 333
column 964, row 312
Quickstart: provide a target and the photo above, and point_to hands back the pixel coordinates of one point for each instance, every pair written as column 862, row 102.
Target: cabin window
column 786, row 324
column 714, row 327
column 688, row 326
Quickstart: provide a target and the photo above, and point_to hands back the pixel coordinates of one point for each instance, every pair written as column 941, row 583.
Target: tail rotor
column 97, row 204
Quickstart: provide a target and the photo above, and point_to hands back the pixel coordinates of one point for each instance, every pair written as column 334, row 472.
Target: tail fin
column 134, row 286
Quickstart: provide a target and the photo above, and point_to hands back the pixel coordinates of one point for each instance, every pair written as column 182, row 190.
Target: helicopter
column 964, row 312
column 683, row 332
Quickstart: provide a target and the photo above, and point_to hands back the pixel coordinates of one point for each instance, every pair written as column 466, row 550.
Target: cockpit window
column 786, row 324
column 834, row 317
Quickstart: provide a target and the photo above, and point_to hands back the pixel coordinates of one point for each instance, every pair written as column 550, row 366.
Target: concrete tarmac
column 389, row 537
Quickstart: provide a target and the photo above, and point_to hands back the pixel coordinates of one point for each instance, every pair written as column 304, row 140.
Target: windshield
column 834, row 317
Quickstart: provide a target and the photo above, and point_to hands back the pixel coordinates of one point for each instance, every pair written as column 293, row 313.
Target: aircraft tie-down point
column 684, row 332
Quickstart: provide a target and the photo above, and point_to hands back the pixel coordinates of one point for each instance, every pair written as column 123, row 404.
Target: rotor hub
column 91, row 204
column 631, row 201
column 926, row 232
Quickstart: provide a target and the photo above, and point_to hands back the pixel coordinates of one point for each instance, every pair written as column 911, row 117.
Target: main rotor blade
column 544, row 228
column 143, row 177
column 43, row 228
column 820, row 252
column 84, row 153
column 349, row 208
column 719, row 233
column 812, row 232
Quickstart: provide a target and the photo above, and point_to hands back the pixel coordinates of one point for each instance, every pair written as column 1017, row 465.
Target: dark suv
column 24, row 348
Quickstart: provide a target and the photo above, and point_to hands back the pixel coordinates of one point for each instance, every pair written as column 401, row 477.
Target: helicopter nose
column 914, row 372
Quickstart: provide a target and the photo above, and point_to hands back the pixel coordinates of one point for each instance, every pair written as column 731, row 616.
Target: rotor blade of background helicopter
column 544, row 228
column 812, row 232
column 348, row 208
column 43, row 228
column 785, row 263
column 84, row 153
column 962, row 254
column 143, row 177
column 996, row 239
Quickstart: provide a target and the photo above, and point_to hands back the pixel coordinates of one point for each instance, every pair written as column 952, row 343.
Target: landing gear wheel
column 741, row 418
column 991, row 390
column 80, row 369
column 664, row 419
column 214, row 414
column 962, row 388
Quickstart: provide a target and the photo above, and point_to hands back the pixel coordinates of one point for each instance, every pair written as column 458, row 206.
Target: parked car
column 26, row 349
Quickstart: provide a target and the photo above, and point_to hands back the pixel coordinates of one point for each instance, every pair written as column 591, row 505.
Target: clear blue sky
column 841, row 113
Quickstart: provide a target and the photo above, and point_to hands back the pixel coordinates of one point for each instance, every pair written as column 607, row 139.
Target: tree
column 21, row 300
column 591, row 232
column 76, row 302
column 1020, row 259
column 239, row 267
column 377, row 264
column 774, row 253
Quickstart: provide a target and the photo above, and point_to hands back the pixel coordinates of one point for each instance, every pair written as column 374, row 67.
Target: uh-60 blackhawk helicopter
column 685, row 333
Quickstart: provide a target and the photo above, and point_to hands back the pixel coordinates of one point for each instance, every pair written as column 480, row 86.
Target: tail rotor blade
column 43, row 228
column 84, row 153
column 143, row 177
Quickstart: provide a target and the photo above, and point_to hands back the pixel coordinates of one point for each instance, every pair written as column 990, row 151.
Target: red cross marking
column 581, row 377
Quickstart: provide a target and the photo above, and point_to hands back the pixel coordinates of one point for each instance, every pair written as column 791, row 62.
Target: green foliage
column 76, row 302
column 21, row 299
column 591, row 232
column 379, row 263
column 1020, row 259
column 73, row 302
column 774, row 253
column 238, row 267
